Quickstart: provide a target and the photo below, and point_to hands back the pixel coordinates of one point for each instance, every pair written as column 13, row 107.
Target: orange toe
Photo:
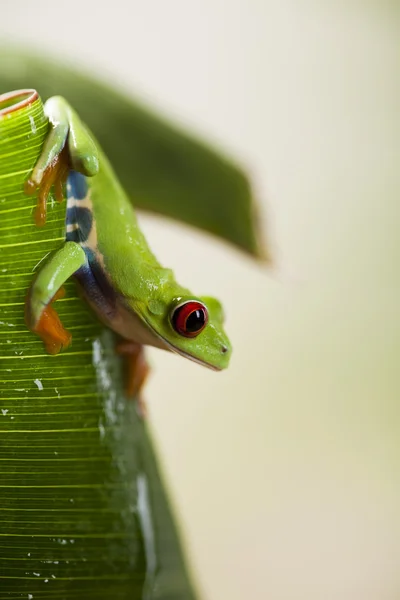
column 50, row 329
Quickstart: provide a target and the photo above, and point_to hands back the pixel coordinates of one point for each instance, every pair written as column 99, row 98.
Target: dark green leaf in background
column 163, row 169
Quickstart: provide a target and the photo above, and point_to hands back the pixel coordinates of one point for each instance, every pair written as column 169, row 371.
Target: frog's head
column 192, row 327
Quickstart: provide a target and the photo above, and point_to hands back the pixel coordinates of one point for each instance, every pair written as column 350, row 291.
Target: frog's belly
column 131, row 327
column 111, row 310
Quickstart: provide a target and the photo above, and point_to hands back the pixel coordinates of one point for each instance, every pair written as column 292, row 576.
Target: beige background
column 284, row 469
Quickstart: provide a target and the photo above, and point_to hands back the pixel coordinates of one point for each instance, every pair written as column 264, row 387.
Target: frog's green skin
column 109, row 257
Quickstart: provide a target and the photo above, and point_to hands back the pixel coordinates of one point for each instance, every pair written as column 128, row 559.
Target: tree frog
column 108, row 256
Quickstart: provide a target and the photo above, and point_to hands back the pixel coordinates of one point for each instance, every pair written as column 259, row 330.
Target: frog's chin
column 168, row 346
column 192, row 358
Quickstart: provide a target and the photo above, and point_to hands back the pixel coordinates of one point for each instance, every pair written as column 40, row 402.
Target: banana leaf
column 83, row 509
column 193, row 184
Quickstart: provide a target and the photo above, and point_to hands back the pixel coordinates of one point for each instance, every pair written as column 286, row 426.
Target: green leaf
column 83, row 511
column 193, row 183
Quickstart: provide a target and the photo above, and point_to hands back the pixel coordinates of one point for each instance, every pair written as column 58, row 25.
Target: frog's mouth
column 175, row 350
column 172, row 348
column 190, row 357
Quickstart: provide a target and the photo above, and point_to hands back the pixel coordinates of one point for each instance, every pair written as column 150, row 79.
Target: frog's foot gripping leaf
column 49, row 327
column 68, row 146
column 54, row 174
column 40, row 316
column 137, row 371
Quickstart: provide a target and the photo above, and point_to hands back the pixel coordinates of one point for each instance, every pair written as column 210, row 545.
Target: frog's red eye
column 189, row 318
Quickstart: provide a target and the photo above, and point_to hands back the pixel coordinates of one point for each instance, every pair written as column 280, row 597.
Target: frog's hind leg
column 67, row 146
column 137, row 371
column 40, row 316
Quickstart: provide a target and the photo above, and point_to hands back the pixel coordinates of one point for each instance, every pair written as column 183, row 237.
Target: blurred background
column 284, row 471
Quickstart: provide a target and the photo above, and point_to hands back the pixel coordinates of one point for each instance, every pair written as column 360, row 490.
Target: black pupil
column 195, row 321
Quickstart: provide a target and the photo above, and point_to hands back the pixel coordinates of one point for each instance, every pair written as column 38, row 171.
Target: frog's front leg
column 67, row 146
column 137, row 370
column 40, row 316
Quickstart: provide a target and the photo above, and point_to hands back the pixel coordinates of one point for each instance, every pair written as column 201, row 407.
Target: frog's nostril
column 224, row 349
